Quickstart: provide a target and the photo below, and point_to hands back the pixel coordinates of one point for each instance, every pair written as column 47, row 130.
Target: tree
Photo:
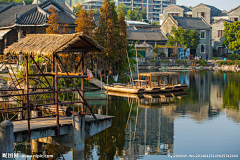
column 96, row 11
column 144, row 13
column 53, row 20
column 85, row 22
column 130, row 14
column 78, row 7
column 137, row 15
column 232, row 35
column 122, row 7
column 107, row 34
column 185, row 38
column 123, row 43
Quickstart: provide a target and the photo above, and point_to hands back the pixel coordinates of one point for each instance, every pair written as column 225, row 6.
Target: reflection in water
column 147, row 126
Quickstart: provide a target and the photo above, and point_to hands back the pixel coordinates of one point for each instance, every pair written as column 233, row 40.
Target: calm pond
column 205, row 122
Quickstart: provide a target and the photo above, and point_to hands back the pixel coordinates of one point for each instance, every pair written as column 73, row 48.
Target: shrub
column 214, row 58
column 152, row 60
column 162, row 54
column 202, row 62
column 234, row 56
column 165, row 60
column 229, row 62
column 179, row 61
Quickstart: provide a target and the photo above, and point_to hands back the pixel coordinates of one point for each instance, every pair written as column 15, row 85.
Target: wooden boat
column 124, row 88
column 158, row 86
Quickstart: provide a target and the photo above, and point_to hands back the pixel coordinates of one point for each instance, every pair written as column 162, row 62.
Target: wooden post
column 27, row 88
column 150, row 81
column 56, row 94
column 82, row 81
column 53, row 80
column 159, row 81
column 22, row 105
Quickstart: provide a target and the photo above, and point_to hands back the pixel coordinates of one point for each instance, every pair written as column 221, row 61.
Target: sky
column 221, row 4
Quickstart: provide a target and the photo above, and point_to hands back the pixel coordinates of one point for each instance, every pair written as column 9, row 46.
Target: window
column 200, row 14
column 202, row 48
column 220, row 33
column 203, row 34
column 174, row 14
column 234, row 19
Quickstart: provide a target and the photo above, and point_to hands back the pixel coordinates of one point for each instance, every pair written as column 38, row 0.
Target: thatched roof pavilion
column 48, row 44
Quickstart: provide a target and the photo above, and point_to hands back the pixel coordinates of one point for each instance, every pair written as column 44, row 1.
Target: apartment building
column 153, row 7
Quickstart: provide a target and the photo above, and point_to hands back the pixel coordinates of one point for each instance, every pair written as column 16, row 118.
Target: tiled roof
column 233, row 9
column 8, row 17
column 150, row 36
column 223, row 20
column 211, row 7
column 33, row 15
column 4, row 6
column 191, row 23
column 185, row 8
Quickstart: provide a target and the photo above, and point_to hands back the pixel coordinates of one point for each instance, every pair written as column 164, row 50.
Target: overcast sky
column 221, row 4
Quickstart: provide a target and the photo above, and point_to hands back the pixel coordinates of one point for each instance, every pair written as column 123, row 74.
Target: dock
column 97, row 82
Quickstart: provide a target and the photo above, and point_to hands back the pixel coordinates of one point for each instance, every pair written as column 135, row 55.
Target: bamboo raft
column 147, row 86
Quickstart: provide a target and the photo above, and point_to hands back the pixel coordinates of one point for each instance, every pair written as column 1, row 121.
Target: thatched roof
column 47, row 44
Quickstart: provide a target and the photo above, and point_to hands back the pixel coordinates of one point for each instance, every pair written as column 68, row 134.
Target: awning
column 3, row 32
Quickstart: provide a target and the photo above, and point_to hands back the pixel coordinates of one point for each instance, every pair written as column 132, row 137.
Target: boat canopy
column 159, row 74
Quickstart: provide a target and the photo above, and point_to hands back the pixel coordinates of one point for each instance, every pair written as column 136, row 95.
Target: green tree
column 130, row 14
column 185, row 38
column 232, row 35
column 137, row 15
column 144, row 13
column 122, row 7
column 96, row 11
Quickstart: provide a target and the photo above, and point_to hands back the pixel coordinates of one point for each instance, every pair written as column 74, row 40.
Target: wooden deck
column 50, row 122
column 97, row 82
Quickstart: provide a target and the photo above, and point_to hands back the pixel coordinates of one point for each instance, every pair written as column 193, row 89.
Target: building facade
column 153, row 7
column 198, row 24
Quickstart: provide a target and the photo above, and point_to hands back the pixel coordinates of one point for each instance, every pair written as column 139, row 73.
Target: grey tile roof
column 212, row 7
column 150, row 36
column 4, row 6
column 185, row 8
column 32, row 15
column 191, row 23
column 8, row 17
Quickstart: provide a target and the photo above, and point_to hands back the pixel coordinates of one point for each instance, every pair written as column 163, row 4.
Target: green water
column 205, row 122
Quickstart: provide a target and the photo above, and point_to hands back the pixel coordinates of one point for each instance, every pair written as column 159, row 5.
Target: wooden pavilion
column 45, row 54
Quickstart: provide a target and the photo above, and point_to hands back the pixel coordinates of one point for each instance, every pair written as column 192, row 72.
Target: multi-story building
column 198, row 24
column 153, row 7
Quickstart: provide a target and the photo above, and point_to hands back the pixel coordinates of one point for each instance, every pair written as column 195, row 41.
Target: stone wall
column 215, row 28
column 172, row 9
column 202, row 8
column 206, row 43
column 235, row 14
column 167, row 26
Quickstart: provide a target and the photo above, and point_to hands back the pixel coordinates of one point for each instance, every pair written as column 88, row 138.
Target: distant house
column 18, row 20
column 205, row 11
column 175, row 10
column 218, row 36
column 198, row 24
column 234, row 14
column 146, row 40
